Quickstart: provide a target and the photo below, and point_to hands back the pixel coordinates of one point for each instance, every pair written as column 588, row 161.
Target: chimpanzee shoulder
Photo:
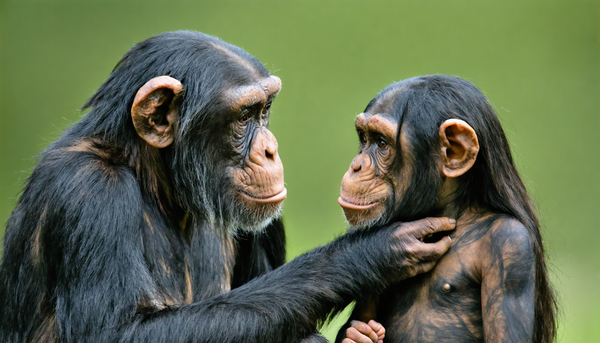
column 74, row 200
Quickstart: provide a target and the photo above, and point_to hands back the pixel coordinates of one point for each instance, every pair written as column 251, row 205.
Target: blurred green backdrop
column 538, row 62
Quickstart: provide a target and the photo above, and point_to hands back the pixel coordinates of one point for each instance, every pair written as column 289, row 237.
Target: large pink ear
column 459, row 147
column 155, row 111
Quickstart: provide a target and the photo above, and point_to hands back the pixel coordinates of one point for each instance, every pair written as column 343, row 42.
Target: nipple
column 446, row 287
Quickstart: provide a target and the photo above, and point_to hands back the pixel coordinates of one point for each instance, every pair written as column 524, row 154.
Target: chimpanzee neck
column 148, row 164
column 461, row 214
column 453, row 201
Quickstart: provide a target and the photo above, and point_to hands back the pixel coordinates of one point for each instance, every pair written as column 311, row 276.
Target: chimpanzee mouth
column 353, row 206
column 279, row 197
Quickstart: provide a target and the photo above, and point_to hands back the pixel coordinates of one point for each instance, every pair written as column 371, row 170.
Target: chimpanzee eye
column 267, row 108
column 362, row 137
column 382, row 144
column 245, row 114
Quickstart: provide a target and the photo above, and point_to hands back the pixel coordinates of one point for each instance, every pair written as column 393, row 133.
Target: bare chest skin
column 445, row 304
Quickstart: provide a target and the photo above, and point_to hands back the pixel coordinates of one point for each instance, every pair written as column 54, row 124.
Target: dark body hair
column 421, row 105
column 115, row 240
column 202, row 64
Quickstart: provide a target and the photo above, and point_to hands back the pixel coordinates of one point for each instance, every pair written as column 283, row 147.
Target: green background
column 538, row 62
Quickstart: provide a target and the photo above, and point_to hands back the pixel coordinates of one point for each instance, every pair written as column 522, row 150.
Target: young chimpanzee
column 432, row 145
column 147, row 219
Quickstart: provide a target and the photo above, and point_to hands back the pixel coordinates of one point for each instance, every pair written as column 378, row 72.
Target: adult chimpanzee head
column 428, row 145
column 194, row 111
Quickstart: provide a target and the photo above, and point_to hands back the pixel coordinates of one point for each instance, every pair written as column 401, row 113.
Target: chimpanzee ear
column 155, row 110
column 459, row 147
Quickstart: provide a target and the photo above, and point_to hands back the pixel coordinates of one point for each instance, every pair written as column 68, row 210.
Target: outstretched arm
column 284, row 305
column 102, row 274
column 507, row 290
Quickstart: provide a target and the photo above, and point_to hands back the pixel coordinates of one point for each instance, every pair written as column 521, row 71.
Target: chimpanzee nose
column 270, row 146
column 264, row 149
column 359, row 162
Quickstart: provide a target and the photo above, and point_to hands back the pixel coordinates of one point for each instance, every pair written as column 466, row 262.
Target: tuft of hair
column 421, row 105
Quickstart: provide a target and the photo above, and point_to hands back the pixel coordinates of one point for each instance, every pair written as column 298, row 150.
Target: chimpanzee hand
column 414, row 255
column 361, row 332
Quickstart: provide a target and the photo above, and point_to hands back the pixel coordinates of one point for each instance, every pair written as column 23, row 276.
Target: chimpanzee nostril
column 270, row 149
column 356, row 164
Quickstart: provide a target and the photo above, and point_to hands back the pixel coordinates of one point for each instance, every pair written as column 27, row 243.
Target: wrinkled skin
column 359, row 332
column 375, row 181
column 259, row 176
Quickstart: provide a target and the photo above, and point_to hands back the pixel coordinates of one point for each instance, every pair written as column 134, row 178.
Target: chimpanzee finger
column 425, row 267
column 356, row 336
column 433, row 251
column 364, row 330
column 427, row 226
column 378, row 328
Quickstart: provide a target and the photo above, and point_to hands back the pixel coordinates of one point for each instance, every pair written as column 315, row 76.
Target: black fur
column 115, row 241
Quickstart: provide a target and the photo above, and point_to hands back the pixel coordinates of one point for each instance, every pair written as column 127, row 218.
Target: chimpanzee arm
column 262, row 252
column 259, row 253
column 103, row 273
column 101, row 269
column 284, row 305
column 508, row 286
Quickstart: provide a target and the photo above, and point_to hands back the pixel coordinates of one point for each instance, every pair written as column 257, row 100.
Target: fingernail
column 450, row 238
column 452, row 221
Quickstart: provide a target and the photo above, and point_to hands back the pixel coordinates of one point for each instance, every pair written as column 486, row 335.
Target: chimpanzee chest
column 443, row 305
column 181, row 269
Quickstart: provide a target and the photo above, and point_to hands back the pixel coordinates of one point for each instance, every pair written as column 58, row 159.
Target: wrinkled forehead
column 382, row 123
column 261, row 91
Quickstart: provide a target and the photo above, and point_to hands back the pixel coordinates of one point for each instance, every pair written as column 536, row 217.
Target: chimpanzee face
column 233, row 167
column 258, row 174
column 386, row 181
column 376, row 179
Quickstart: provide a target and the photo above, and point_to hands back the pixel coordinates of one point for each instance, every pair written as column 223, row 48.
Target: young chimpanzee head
column 429, row 145
column 193, row 111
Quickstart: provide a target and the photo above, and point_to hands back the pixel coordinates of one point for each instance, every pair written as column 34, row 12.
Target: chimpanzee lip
column 279, row 197
column 352, row 206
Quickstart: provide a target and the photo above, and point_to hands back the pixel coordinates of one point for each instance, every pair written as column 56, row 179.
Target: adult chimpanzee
column 141, row 218
column 432, row 145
